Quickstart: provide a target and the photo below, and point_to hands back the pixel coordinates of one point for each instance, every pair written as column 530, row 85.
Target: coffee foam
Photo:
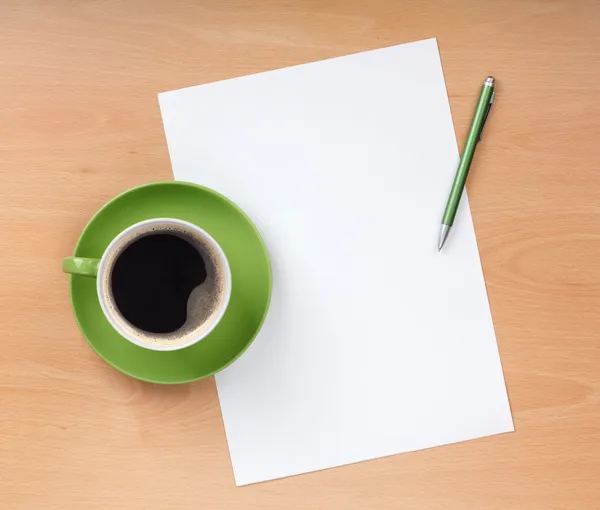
column 205, row 301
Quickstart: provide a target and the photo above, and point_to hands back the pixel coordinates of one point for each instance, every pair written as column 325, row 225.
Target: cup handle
column 81, row 266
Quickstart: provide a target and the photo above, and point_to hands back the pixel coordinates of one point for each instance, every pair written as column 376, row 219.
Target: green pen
column 481, row 113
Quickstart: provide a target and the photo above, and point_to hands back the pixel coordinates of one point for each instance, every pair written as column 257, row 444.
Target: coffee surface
column 152, row 280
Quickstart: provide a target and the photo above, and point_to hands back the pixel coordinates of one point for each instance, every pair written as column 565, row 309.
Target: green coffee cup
column 213, row 222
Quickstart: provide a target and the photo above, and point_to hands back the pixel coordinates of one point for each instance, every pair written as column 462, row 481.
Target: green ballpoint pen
column 481, row 113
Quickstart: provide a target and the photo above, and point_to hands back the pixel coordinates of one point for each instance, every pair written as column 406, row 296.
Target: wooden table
column 80, row 123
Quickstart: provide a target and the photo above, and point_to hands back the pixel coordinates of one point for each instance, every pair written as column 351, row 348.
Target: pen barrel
column 464, row 164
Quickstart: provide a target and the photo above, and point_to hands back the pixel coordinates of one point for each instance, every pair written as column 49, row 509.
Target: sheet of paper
column 375, row 343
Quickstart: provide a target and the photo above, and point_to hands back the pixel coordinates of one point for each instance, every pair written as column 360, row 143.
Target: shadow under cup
column 164, row 284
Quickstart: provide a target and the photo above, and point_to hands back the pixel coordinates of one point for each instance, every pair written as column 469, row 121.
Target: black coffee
column 152, row 280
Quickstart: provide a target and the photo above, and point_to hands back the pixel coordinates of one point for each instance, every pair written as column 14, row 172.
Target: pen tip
column 443, row 236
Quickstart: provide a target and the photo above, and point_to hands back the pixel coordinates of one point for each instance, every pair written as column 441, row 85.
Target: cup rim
column 176, row 222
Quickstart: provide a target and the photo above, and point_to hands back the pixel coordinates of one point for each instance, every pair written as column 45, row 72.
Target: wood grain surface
column 80, row 123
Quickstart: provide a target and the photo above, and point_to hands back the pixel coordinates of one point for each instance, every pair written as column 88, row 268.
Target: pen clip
column 487, row 112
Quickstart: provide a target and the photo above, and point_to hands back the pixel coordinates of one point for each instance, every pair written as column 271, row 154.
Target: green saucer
column 250, row 272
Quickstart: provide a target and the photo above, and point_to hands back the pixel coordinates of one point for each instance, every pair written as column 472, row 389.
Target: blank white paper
column 375, row 343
